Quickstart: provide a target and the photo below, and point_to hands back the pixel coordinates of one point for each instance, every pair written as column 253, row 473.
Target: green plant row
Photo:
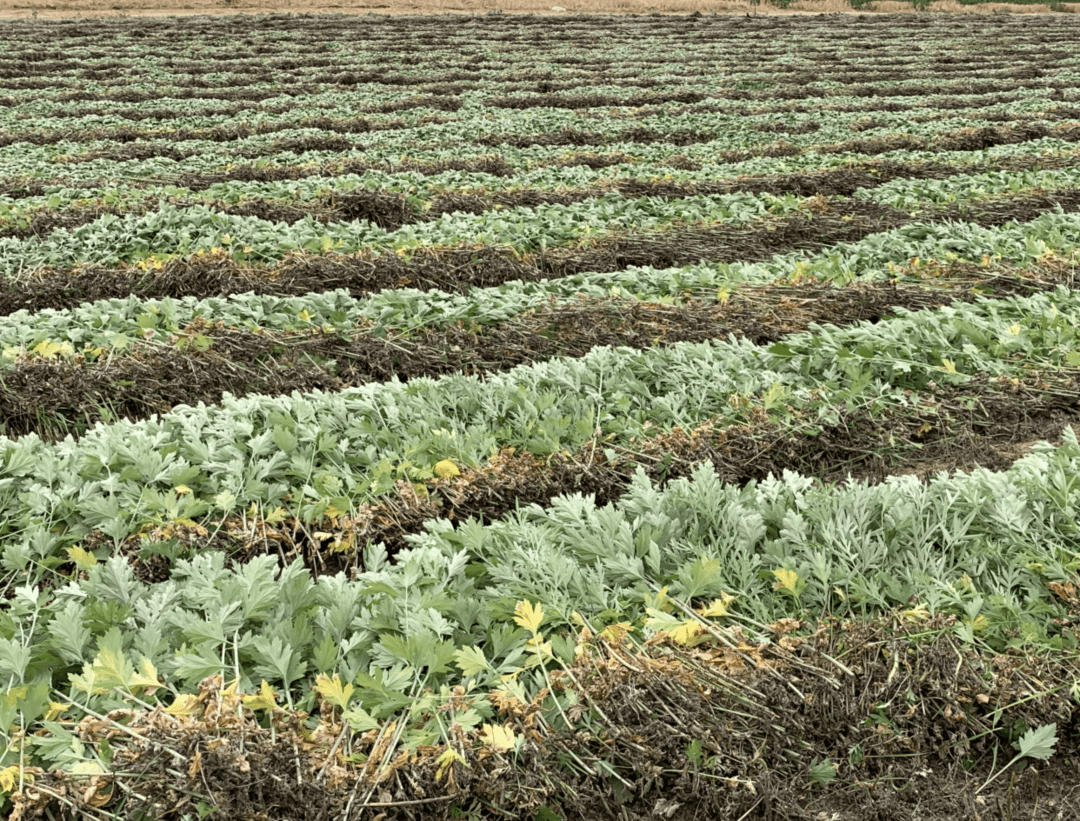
column 354, row 59
column 115, row 323
column 715, row 76
column 172, row 231
column 445, row 141
column 916, row 195
column 296, row 121
column 347, row 106
column 522, row 159
column 978, row 165
column 309, row 454
column 727, row 132
column 908, row 194
column 982, row 546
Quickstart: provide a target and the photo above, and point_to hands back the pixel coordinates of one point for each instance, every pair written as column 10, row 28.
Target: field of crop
column 540, row 418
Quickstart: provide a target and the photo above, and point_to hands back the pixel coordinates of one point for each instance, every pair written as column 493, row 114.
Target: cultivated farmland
column 540, row 418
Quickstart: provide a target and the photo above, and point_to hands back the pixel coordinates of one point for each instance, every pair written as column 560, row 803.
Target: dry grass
column 94, row 8
column 69, row 8
column 906, row 7
column 828, row 7
column 954, row 7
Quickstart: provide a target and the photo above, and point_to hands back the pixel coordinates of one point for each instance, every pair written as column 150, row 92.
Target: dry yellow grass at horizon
column 955, row 7
column 53, row 9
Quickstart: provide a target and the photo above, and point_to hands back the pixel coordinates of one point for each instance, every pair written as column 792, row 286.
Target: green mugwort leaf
column 1039, row 742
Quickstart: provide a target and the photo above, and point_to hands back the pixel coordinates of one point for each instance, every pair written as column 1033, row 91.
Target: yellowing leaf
column 616, row 633
column 446, row 469
column 332, row 691
column 276, row 516
column 83, row 559
column 56, row 709
column 48, row 349
column 87, row 682
column 776, row 394
column 542, row 649
column 13, row 695
column 446, row 760
column 917, row 613
column 87, row 768
column 147, row 676
column 948, row 365
column 8, row 777
column 979, row 623
column 1014, row 329
column 266, row 699
column 182, row 490
column 685, row 632
column 112, row 669
column 661, row 603
column 717, row 608
column 184, row 705
column 229, row 690
column 786, row 580
column 497, row 736
column 528, row 616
